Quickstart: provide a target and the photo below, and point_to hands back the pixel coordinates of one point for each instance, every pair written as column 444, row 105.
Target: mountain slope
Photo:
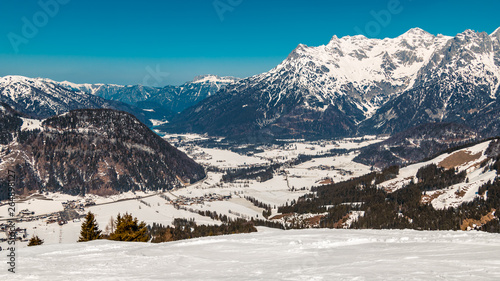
column 97, row 151
column 478, row 163
column 416, row 144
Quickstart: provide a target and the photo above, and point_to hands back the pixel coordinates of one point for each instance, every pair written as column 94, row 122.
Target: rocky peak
column 415, row 33
column 496, row 35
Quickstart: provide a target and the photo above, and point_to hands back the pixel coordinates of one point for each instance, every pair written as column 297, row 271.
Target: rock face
column 92, row 151
column 355, row 85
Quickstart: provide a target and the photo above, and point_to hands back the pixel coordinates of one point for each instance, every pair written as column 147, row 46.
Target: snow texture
column 272, row 255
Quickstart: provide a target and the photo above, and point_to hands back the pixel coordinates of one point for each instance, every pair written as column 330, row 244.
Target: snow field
column 313, row 254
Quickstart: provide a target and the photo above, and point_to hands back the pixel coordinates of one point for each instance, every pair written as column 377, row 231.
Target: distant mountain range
column 97, row 151
column 168, row 100
column 355, row 85
column 42, row 98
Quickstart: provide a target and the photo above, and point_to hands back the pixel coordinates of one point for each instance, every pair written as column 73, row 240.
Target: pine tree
column 90, row 229
column 129, row 228
column 35, row 241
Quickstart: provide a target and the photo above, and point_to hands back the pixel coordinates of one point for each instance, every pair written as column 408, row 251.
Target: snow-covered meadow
column 312, row 254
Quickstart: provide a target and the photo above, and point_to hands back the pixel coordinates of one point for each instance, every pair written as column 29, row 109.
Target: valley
column 246, row 185
column 288, row 183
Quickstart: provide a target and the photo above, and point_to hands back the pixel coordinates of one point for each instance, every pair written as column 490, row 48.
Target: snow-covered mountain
column 459, row 84
column 42, row 98
column 366, row 71
column 329, row 90
column 171, row 99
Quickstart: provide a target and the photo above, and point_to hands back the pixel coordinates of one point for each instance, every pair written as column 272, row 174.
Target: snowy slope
column 450, row 197
column 272, row 255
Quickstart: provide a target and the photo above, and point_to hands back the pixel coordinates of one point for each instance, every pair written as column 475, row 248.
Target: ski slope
column 313, row 254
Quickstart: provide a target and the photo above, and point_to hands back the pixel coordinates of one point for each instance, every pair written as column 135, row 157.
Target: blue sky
column 122, row 42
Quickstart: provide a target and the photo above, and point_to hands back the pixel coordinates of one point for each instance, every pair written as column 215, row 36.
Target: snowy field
column 270, row 254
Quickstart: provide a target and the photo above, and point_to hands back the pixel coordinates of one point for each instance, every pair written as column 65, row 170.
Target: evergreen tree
column 129, row 228
column 35, row 241
column 90, row 229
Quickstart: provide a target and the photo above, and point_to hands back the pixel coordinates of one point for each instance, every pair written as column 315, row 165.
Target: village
column 73, row 210
column 188, row 201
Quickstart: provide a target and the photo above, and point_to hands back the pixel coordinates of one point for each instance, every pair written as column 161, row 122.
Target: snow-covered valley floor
column 312, row 254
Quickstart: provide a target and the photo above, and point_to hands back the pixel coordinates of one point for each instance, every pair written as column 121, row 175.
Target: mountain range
column 42, row 98
column 356, row 85
column 351, row 86
column 168, row 100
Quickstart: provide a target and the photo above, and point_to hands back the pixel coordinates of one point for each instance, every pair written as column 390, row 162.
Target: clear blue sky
column 123, row 41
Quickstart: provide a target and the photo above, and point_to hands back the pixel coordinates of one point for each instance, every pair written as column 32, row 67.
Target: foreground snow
column 273, row 255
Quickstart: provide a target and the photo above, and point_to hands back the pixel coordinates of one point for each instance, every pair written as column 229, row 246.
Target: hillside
column 92, row 151
column 416, row 144
column 458, row 189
